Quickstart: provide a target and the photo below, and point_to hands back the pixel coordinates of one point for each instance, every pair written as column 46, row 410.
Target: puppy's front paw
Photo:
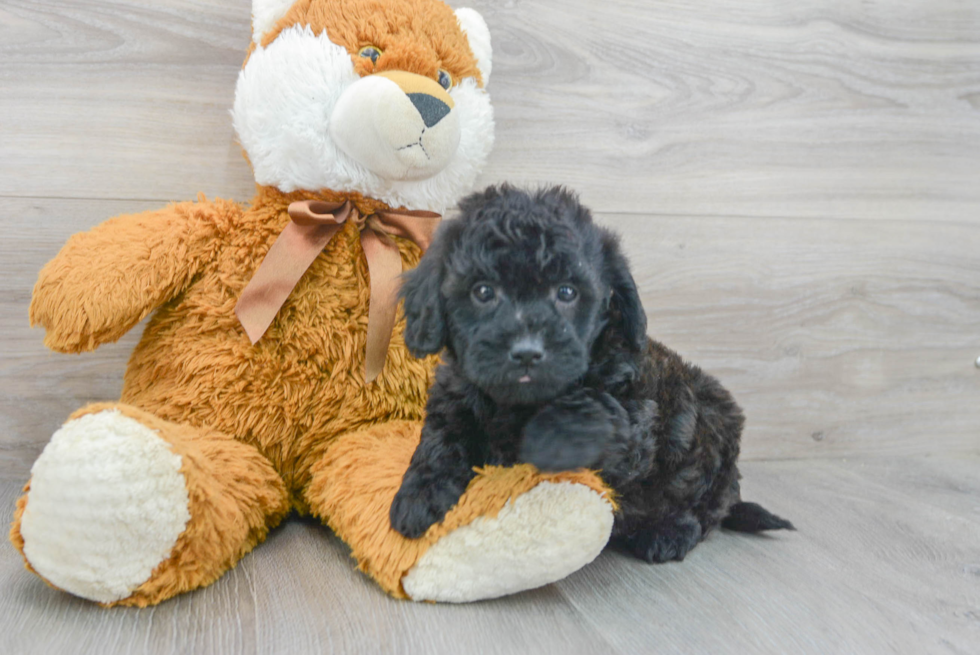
column 560, row 438
column 417, row 507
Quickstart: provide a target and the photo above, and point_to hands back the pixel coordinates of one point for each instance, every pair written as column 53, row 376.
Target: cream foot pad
column 106, row 505
column 544, row 535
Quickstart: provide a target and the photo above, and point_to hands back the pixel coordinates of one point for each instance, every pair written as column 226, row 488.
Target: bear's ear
column 628, row 314
column 265, row 15
column 426, row 332
column 478, row 34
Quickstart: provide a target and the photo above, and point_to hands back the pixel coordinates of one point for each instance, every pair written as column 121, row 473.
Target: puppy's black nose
column 527, row 351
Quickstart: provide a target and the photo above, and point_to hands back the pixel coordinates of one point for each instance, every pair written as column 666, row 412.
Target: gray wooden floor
column 799, row 183
column 885, row 560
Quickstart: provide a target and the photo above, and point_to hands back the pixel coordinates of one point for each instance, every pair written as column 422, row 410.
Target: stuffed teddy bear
column 272, row 376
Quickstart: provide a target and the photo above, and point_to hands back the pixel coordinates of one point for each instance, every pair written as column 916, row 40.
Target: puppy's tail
column 750, row 517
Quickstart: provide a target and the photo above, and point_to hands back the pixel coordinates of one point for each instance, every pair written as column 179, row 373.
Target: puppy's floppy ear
column 627, row 310
column 425, row 312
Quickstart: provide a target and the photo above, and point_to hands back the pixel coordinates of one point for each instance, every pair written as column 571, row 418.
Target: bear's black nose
column 431, row 109
column 527, row 351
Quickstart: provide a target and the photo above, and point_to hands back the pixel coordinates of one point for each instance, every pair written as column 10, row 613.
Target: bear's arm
column 106, row 280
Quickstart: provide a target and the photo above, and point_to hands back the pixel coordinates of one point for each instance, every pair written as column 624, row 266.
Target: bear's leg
column 513, row 529
column 124, row 508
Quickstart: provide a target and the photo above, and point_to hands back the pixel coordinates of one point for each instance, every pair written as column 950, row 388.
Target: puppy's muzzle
column 527, row 351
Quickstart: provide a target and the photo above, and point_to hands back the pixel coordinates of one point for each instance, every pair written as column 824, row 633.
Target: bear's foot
column 125, row 508
column 105, row 506
column 540, row 537
column 514, row 529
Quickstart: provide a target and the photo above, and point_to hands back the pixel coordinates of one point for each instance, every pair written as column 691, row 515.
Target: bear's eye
column 483, row 293
column 445, row 79
column 370, row 52
column 566, row 293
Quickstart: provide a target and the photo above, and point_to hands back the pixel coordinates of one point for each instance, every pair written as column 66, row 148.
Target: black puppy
column 547, row 361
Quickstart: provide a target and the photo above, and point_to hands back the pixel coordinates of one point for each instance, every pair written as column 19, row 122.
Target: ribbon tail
column 384, row 266
column 296, row 248
column 419, row 226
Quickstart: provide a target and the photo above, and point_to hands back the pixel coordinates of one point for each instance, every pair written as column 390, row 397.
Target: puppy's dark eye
column 483, row 293
column 566, row 293
column 370, row 52
column 445, row 79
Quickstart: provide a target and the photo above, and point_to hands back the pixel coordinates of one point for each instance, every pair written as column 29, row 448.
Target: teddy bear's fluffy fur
column 547, row 362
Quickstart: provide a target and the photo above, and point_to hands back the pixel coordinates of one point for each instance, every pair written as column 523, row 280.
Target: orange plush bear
column 273, row 375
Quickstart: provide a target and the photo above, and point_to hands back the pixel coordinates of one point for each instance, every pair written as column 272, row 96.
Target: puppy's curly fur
column 547, row 361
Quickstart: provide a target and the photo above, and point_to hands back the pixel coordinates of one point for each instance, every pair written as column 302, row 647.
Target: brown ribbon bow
column 313, row 225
